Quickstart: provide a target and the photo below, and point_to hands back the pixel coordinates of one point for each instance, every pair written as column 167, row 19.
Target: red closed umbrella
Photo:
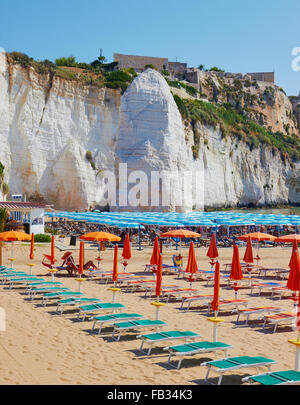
column 236, row 270
column 31, row 255
column 81, row 258
column 212, row 252
column 52, row 260
column 156, row 253
column 115, row 268
column 215, row 301
column 126, row 248
column 293, row 282
column 248, row 256
column 158, row 278
column 192, row 266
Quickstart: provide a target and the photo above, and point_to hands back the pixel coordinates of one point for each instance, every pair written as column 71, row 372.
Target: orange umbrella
column 52, row 251
column 159, row 277
column 288, row 238
column 115, row 268
column 215, row 301
column 180, row 233
column 101, row 236
column 248, row 256
column 156, row 252
column 126, row 248
column 81, row 258
column 11, row 236
column 293, row 282
column 192, row 266
column 259, row 236
column 212, row 252
column 31, row 255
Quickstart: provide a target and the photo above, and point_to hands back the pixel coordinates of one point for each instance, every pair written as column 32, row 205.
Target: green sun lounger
column 112, row 318
column 85, row 310
column 132, row 325
column 236, row 363
column 44, row 290
column 165, row 336
column 60, row 294
column 20, row 280
column 194, row 348
column 41, row 283
column 74, row 302
column 288, row 377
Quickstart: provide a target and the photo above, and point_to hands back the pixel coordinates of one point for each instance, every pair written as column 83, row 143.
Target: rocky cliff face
column 48, row 124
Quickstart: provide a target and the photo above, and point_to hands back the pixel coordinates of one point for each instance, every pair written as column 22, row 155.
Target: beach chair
column 41, row 283
column 61, row 304
column 59, row 294
column 255, row 310
column 265, row 286
column 134, row 285
column 287, row 377
column 281, row 291
column 276, row 319
column 192, row 349
column 86, row 310
column 193, row 298
column 164, row 336
column 21, row 280
column 120, row 327
column 43, row 290
column 224, row 304
column 110, row 319
column 149, row 289
column 236, row 363
column 166, row 294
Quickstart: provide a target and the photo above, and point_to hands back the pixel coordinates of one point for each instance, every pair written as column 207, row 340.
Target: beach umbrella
column 236, row 270
column 115, row 265
column 11, row 236
column 293, row 282
column 212, row 252
column 126, row 251
column 180, row 233
column 155, row 253
column 158, row 278
column 258, row 236
column 81, row 258
column 31, row 254
column 192, row 266
column 288, row 238
column 248, row 256
column 52, row 260
column 215, row 302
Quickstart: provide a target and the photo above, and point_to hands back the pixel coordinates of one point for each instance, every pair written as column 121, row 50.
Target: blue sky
column 238, row 36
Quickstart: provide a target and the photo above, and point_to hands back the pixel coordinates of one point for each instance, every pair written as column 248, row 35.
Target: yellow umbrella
column 11, row 236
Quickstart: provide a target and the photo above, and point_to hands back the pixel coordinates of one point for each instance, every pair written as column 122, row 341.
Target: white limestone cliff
column 48, row 124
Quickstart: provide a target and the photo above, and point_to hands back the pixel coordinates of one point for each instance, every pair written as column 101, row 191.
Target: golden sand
column 41, row 347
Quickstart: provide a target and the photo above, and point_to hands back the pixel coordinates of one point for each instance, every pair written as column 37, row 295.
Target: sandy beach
column 40, row 346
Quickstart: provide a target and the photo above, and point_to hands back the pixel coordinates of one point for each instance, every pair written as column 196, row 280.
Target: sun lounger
column 193, row 298
column 265, row 286
column 149, row 289
column 236, row 363
column 283, row 317
column 165, row 336
column 21, row 280
column 42, row 283
column 110, row 319
column 132, row 285
column 281, row 291
column 58, row 295
column 194, row 348
column 287, row 377
column 85, row 310
column 256, row 310
column 74, row 302
column 166, row 294
column 47, row 289
column 229, row 303
column 133, row 325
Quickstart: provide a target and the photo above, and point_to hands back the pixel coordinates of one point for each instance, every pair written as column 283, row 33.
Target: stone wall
column 263, row 76
column 139, row 62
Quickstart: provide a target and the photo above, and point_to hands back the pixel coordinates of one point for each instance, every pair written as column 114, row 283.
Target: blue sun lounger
column 133, row 325
column 74, row 302
column 194, row 348
column 287, row 377
column 86, row 310
column 59, row 295
column 236, row 363
column 164, row 336
column 110, row 319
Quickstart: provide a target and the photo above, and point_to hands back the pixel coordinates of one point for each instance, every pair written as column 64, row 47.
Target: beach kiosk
column 21, row 213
